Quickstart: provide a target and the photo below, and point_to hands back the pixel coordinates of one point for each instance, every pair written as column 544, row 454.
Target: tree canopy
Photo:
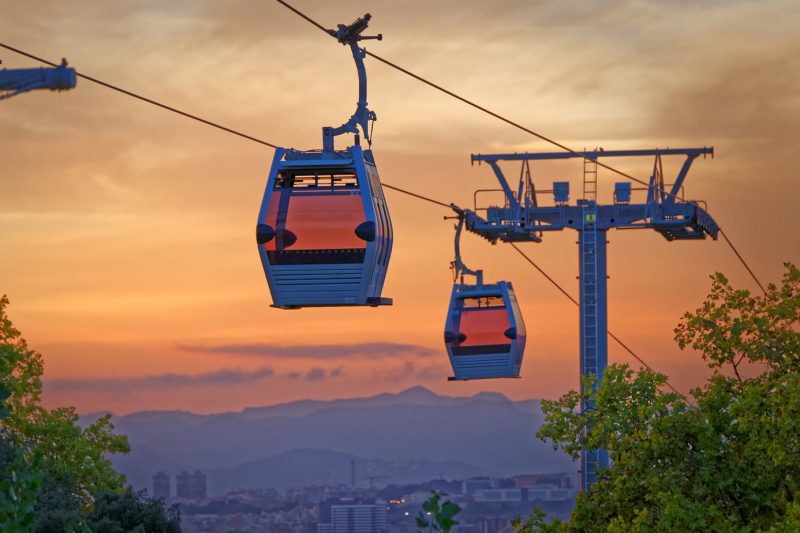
column 54, row 474
column 725, row 459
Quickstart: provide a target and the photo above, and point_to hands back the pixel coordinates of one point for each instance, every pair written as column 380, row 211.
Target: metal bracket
column 351, row 35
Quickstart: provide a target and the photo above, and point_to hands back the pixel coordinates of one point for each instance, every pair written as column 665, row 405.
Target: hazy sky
column 127, row 232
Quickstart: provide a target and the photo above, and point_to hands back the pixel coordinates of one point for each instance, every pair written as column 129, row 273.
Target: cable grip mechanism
column 350, row 35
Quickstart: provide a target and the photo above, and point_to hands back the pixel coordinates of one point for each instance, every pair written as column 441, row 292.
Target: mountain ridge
column 400, row 435
column 249, row 410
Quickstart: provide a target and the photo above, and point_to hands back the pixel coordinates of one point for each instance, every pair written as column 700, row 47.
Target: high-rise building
column 191, row 485
column 350, row 516
column 161, row 486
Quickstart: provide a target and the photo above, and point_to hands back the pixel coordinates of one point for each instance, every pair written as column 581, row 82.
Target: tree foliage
column 67, row 450
column 128, row 511
column 19, row 486
column 54, row 474
column 437, row 515
column 726, row 460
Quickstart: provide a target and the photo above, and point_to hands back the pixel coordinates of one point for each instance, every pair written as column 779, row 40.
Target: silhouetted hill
column 396, row 434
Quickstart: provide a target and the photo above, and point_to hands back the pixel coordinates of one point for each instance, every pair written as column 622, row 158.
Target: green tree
column 19, row 486
column 59, row 506
column 437, row 515
column 128, row 511
column 49, row 445
column 729, row 459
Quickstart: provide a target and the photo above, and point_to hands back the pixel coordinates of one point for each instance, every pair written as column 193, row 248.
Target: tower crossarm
column 674, row 220
column 16, row 81
column 664, row 210
column 591, row 154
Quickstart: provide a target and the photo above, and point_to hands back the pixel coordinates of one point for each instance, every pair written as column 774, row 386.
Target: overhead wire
column 725, row 236
column 573, row 300
column 513, row 124
column 144, row 98
column 415, row 195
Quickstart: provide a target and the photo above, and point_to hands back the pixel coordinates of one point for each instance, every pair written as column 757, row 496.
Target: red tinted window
column 484, row 326
column 319, row 219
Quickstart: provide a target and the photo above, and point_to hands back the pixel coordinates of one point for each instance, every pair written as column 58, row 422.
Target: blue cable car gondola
column 484, row 333
column 324, row 233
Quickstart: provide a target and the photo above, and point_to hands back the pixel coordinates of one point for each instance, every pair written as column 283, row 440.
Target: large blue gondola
column 484, row 332
column 324, row 233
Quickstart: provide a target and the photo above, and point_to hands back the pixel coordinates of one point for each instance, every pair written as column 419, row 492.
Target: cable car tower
column 21, row 80
column 522, row 219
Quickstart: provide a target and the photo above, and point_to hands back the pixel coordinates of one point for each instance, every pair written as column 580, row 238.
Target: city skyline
column 129, row 254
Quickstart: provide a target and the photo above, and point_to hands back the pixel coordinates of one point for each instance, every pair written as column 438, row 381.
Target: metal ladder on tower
column 590, row 179
column 589, row 319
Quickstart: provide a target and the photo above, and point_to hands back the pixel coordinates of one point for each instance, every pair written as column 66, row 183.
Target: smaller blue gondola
column 484, row 333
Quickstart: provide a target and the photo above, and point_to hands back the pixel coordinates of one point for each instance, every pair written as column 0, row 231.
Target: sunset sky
column 127, row 233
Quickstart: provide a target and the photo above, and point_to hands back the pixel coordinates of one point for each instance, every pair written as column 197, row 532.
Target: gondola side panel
column 518, row 344
column 262, row 215
column 370, row 217
column 384, row 230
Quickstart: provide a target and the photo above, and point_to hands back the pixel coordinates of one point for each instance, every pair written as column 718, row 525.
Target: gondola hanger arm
column 350, row 35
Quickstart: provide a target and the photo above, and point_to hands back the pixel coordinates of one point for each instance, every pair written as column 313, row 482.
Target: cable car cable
column 415, row 195
column 725, row 236
column 514, row 124
column 573, row 300
column 144, row 98
column 303, row 15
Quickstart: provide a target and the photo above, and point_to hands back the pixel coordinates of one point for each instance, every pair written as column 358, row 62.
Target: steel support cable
column 725, row 236
column 144, row 98
column 512, row 123
column 573, row 300
column 415, row 195
column 303, row 15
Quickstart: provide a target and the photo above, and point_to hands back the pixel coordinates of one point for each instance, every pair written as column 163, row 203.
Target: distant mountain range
column 412, row 436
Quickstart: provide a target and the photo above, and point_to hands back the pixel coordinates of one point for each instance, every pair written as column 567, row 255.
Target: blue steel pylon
column 593, row 321
column 523, row 219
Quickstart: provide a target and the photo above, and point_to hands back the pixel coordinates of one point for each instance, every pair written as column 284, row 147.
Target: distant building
column 191, row 485
column 343, row 492
column 561, row 480
column 352, row 516
column 499, row 495
column 416, row 498
column 491, row 525
column 550, row 494
column 161, row 486
column 546, row 487
column 470, row 486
